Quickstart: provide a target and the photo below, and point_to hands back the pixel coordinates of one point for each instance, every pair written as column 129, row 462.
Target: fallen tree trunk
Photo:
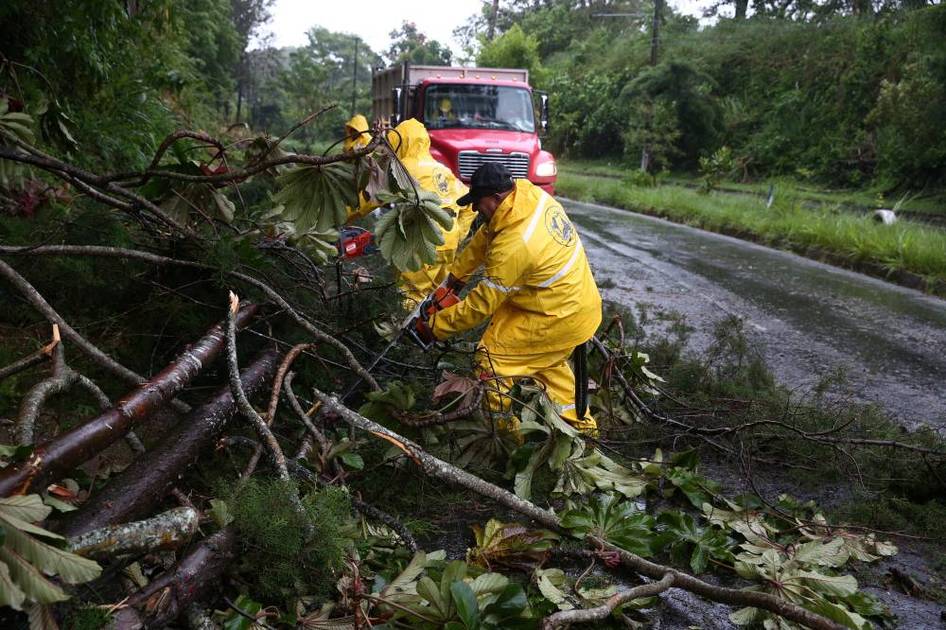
column 136, row 491
column 164, row 599
column 168, row 530
column 445, row 471
column 70, row 449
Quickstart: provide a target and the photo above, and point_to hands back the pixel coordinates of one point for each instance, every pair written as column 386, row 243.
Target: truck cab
column 473, row 116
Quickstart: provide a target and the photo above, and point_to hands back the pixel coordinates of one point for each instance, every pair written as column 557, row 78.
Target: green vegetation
column 798, row 89
column 100, row 85
column 278, row 560
column 788, row 223
column 810, row 194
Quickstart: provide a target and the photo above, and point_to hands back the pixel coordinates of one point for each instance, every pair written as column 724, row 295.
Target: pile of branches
column 155, row 542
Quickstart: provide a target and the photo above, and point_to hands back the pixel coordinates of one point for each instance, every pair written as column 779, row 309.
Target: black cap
column 488, row 179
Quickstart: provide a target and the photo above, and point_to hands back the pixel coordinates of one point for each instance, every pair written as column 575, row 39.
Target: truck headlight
column 546, row 169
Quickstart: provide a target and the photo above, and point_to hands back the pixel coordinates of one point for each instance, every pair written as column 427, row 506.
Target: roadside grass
column 847, row 239
column 931, row 203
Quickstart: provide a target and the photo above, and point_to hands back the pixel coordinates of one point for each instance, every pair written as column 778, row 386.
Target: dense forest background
column 843, row 93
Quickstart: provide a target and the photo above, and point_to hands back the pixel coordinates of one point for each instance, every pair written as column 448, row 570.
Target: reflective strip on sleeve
column 561, row 272
column 534, row 222
column 568, row 407
column 499, row 287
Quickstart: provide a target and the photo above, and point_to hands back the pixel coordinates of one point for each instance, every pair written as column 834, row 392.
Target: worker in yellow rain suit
column 356, row 133
column 411, row 143
column 537, row 288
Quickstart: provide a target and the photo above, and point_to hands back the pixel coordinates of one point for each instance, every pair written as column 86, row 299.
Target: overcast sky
column 375, row 19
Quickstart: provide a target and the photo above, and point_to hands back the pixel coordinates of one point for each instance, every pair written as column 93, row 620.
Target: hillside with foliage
column 189, row 432
column 819, row 91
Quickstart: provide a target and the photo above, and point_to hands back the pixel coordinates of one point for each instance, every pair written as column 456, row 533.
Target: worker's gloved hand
column 442, row 297
column 418, row 325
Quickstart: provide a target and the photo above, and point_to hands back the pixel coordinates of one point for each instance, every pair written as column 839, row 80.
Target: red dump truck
column 473, row 115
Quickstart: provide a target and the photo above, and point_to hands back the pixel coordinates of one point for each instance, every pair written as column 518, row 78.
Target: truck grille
column 516, row 163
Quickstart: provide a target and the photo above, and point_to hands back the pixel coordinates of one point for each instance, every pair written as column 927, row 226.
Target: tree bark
column 170, row 595
column 598, row 613
column 168, row 530
column 74, row 447
column 136, row 491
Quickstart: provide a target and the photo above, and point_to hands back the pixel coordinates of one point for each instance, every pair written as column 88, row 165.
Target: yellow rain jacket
column 539, row 292
column 356, row 133
column 412, row 145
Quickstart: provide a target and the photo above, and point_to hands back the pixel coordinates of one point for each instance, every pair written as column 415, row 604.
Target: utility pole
column 655, row 32
column 654, row 45
column 354, row 77
column 492, row 21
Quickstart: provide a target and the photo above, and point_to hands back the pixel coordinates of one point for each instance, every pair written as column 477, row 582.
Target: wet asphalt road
column 809, row 318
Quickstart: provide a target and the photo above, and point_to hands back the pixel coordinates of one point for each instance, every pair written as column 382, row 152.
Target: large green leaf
column 10, row 594
column 71, row 568
column 317, row 196
column 510, row 545
column 30, row 580
column 550, row 583
column 618, row 522
column 690, row 543
column 465, row 601
column 411, row 228
column 405, row 581
column 28, row 507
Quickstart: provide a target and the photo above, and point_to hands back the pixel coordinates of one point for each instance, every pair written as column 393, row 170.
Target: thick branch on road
column 451, row 474
column 81, row 443
column 168, row 530
column 136, row 491
column 164, row 599
column 598, row 613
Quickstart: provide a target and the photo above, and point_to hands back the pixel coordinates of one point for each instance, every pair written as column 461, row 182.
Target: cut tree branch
column 36, row 358
column 168, row 530
column 451, row 474
column 134, row 493
column 78, row 445
column 598, row 613
column 165, row 598
column 92, row 351
column 243, row 403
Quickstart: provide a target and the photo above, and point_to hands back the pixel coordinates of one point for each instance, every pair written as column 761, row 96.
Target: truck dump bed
column 406, row 76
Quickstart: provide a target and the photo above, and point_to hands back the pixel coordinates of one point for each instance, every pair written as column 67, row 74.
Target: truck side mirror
column 397, row 97
column 543, row 113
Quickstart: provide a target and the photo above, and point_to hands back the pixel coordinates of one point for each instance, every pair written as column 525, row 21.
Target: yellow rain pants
column 549, row 369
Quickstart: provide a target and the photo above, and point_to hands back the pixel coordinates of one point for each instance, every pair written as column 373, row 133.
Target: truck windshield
column 478, row 107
